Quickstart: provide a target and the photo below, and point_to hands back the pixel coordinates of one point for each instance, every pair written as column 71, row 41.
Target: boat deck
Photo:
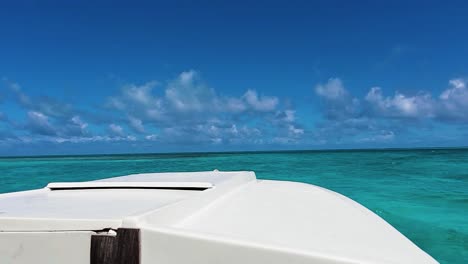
column 212, row 217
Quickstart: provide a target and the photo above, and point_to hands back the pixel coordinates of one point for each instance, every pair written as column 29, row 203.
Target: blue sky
column 113, row 77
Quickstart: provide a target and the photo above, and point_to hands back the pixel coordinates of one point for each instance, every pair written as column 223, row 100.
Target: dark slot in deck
column 129, row 187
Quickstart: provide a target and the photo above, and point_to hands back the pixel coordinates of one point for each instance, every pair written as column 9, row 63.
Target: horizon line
column 235, row 152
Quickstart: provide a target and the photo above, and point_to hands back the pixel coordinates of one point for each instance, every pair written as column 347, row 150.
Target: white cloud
column 77, row 121
column 141, row 94
column 42, row 124
column 136, row 124
column 186, row 94
column 83, row 139
column 457, row 91
column 138, row 102
column 38, row 117
column 287, row 116
column 262, row 103
column 234, row 130
column 294, row 131
column 332, row 90
column 183, row 111
column 152, row 137
column 39, row 123
column 213, row 132
column 116, row 130
column 339, row 104
column 235, row 105
column 116, row 103
column 400, row 105
column 379, row 118
column 381, row 136
column 290, row 115
column 187, row 110
column 74, row 127
column 452, row 103
column 45, row 105
column 454, row 100
column 22, row 98
column 458, row 83
column 216, row 140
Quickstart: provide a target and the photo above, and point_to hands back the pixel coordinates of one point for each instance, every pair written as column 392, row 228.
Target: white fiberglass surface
column 87, row 204
column 214, row 177
column 305, row 218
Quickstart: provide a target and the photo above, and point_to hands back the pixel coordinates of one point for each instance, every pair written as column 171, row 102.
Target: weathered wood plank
column 128, row 246
column 103, row 249
column 121, row 249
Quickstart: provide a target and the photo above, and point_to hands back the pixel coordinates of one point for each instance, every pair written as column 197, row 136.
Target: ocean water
column 423, row 193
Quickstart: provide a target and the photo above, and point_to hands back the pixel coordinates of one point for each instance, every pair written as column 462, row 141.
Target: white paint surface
column 238, row 220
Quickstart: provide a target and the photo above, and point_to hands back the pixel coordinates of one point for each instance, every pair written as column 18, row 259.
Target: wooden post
column 124, row 248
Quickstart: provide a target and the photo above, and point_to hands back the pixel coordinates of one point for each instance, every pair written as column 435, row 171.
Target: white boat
column 196, row 218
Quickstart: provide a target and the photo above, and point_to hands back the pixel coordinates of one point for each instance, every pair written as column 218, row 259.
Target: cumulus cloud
column 152, row 137
column 187, row 93
column 380, row 118
column 332, row 90
column 288, row 116
column 76, row 127
column 211, row 133
column 73, row 139
column 260, row 103
column 400, row 105
column 337, row 101
column 46, row 105
column 186, row 109
column 116, row 130
column 136, row 124
column 347, row 119
column 450, row 105
column 141, row 94
column 182, row 111
column 235, row 105
column 454, row 101
column 137, row 100
column 46, row 116
column 21, row 97
column 39, row 123
column 379, row 137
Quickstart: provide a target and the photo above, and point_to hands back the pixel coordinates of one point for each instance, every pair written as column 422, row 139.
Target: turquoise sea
column 423, row 193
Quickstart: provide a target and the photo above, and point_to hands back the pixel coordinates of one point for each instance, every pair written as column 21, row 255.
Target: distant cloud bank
column 186, row 111
column 378, row 117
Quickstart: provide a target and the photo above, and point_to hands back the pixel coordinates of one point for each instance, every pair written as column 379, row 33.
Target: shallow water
column 423, row 193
